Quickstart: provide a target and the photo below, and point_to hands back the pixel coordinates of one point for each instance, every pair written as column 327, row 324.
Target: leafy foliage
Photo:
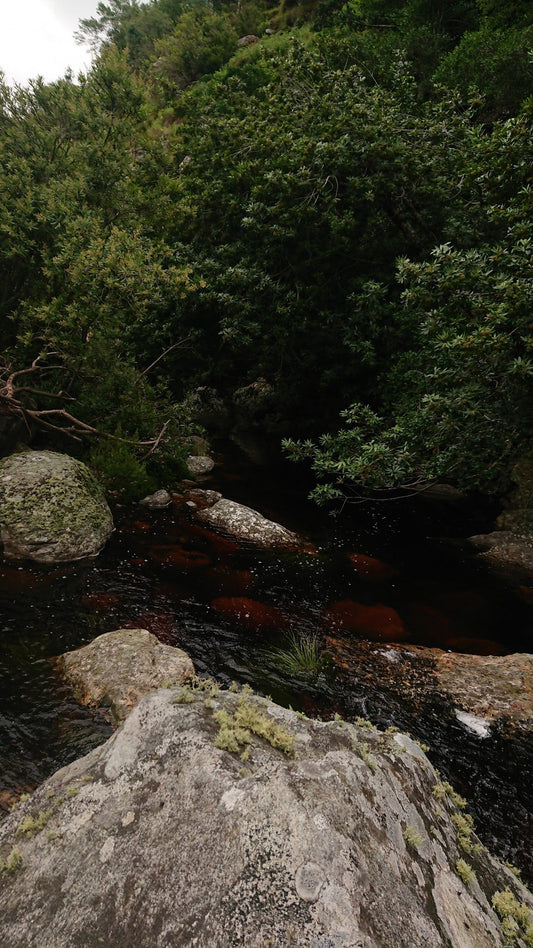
column 339, row 213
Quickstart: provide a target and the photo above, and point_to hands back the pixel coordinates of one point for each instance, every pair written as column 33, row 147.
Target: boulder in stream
column 507, row 554
column 119, row 668
column 250, row 526
column 199, row 465
column 158, row 500
column 52, row 510
column 213, row 819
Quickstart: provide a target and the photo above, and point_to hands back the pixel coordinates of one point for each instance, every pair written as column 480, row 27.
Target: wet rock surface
column 119, row 668
column 248, row 525
column 507, row 554
column 160, row 838
column 52, row 510
column 495, row 689
column 498, row 689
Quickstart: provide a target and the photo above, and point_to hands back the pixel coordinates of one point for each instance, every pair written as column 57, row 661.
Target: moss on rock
column 51, row 508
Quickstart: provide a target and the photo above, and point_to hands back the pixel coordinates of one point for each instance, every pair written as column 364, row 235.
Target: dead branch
column 60, row 420
column 176, row 345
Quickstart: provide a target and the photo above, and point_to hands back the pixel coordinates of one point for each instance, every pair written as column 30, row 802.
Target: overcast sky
column 36, row 37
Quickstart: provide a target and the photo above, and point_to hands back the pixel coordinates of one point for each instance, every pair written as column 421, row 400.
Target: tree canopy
column 339, row 207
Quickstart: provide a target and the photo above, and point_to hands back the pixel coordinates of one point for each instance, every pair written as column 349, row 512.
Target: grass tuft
column 303, row 654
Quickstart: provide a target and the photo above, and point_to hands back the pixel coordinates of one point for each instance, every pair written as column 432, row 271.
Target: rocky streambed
column 394, row 620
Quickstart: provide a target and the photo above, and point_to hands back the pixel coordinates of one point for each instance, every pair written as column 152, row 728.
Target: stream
column 231, row 606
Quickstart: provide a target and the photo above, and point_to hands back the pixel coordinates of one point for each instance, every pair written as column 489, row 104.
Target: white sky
column 37, row 38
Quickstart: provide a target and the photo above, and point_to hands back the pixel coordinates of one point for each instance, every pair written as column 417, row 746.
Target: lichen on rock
column 161, row 839
column 117, row 669
column 52, row 509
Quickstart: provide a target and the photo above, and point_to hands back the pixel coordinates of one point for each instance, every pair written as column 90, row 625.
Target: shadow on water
column 230, row 606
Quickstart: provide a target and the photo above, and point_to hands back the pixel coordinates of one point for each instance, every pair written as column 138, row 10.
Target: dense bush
column 341, row 211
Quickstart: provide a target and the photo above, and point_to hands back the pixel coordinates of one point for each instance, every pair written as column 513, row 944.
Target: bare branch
column 176, row 345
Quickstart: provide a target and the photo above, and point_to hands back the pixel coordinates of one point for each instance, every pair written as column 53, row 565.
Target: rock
column 198, row 465
column 249, row 612
column 509, row 555
column 508, row 551
column 247, row 40
column 164, row 838
column 176, row 556
column 52, row 510
column 249, row 525
column 518, row 521
column 498, row 689
column 381, row 623
column 372, row 570
column 196, row 498
column 119, row 668
column 161, row 498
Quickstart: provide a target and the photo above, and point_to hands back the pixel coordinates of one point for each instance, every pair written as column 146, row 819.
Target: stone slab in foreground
column 162, row 839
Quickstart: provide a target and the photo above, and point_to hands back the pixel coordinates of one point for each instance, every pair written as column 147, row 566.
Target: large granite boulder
column 217, row 820
column 52, row 509
column 119, row 668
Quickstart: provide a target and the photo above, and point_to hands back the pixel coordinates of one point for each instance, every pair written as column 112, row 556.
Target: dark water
column 229, row 606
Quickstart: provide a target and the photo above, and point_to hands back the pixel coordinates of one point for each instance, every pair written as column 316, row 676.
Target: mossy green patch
column 412, row 838
column 465, row 871
column 237, row 729
column 31, row 825
column 11, row 863
column 516, row 918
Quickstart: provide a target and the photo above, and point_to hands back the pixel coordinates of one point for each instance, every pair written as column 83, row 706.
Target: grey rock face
column 249, row 525
column 161, row 839
column 197, row 465
column 51, row 508
column 507, row 554
column 156, row 501
column 119, row 668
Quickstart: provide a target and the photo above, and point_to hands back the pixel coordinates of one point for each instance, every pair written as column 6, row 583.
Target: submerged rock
column 52, row 510
column 249, row 612
column 372, row 570
column 378, row 622
column 249, row 525
column 119, row 668
column 327, row 836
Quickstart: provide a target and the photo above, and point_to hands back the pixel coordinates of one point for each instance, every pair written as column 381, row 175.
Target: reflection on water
column 379, row 576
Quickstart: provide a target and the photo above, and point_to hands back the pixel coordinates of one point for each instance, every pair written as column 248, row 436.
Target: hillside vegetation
column 338, row 213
